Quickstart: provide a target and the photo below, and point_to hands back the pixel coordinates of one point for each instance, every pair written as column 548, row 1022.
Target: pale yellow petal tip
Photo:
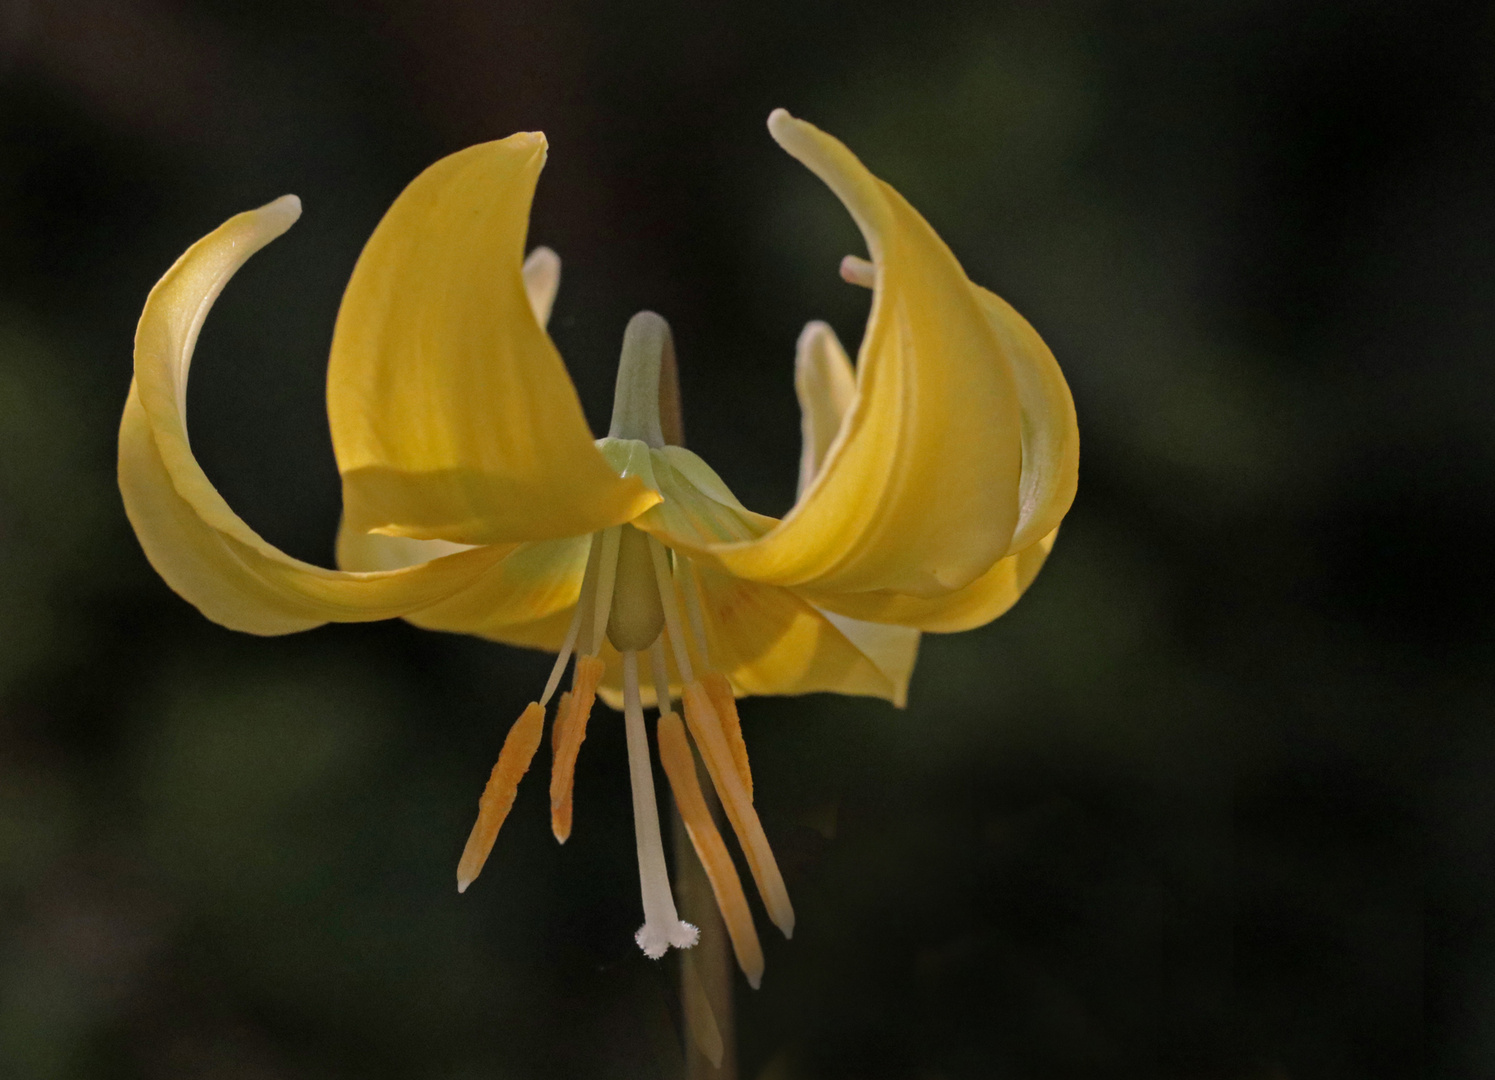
column 859, row 271
column 783, row 127
column 543, row 260
column 278, row 216
column 533, row 141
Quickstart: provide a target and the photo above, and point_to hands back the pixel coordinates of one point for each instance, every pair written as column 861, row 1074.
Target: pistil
column 662, row 925
column 633, row 615
column 630, row 597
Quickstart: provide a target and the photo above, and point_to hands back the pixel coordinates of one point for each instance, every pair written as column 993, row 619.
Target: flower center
column 637, row 614
column 643, row 599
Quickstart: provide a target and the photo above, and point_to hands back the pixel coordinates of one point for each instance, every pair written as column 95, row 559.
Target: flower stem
column 636, row 397
column 711, row 959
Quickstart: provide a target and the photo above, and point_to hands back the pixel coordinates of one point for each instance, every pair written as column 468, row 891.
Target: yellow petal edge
column 919, row 491
column 452, row 414
column 198, row 544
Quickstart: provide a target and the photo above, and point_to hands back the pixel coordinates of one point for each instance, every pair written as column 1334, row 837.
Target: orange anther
column 725, row 703
column 498, row 796
column 574, row 729
column 562, row 713
column 680, row 766
column 706, row 728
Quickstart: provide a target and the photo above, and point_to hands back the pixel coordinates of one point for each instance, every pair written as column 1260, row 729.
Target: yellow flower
column 475, row 499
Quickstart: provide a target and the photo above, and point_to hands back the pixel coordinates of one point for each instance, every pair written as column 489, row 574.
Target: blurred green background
column 1201, row 807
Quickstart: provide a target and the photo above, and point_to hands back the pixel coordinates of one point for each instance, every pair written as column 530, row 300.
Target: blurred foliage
column 1202, row 806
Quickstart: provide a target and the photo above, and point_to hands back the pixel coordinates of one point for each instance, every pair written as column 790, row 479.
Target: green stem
column 636, row 399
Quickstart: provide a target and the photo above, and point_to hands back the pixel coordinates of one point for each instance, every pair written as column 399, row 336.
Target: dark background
column 1187, row 812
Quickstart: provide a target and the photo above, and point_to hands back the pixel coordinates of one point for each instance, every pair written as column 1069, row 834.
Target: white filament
column 662, row 925
column 661, row 675
column 607, row 576
column 671, row 610
column 583, row 602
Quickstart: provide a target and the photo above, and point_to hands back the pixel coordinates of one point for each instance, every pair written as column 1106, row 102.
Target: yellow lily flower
column 934, row 476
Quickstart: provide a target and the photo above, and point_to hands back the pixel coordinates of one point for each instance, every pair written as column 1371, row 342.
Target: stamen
column 497, row 799
column 671, row 605
column 573, row 729
column 561, row 712
column 661, row 674
column 680, row 766
column 607, row 576
column 855, row 271
column 719, row 690
column 706, row 727
column 584, row 600
column 662, row 925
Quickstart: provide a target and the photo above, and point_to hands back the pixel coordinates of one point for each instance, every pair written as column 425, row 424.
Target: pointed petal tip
column 755, row 979
column 813, row 329
column 781, row 125
column 289, row 205
column 535, row 141
column 462, row 883
column 280, row 214
column 858, row 271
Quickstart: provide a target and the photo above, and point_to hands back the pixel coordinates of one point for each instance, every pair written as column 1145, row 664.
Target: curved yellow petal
column 194, row 540
column 526, row 598
column 545, row 634
column 919, row 491
column 767, row 640
column 376, row 551
column 696, row 505
column 518, row 597
column 983, row 600
column 1051, row 436
column 452, row 414
column 826, row 385
column 892, row 649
